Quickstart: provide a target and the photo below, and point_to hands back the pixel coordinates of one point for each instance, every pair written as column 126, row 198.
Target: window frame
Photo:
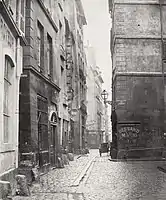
column 6, row 95
column 22, row 11
column 40, row 44
column 49, row 55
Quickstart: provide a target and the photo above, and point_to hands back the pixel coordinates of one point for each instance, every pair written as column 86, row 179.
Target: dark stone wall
column 24, row 116
column 140, row 98
column 34, row 13
column 37, row 82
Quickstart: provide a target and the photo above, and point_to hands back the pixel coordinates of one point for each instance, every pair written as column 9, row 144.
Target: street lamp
column 104, row 95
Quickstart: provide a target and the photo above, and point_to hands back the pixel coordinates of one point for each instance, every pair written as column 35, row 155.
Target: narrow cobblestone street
column 124, row 180
column 102, row 179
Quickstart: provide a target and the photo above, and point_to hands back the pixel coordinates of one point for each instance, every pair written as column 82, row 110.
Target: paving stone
column 58, row 181
column 124, row 180
column 107, row 180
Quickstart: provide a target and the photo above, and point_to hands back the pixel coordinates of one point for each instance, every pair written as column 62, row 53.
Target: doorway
column 53, row 139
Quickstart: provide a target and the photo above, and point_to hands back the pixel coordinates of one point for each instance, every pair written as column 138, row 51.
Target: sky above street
column 97, row 32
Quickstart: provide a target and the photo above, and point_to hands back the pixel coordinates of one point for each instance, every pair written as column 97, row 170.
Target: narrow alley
column 91, row 177
column 83, row 99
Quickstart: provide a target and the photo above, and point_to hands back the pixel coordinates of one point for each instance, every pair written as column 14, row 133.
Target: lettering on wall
column 129, row 135
column 5, row 34
column 129, row 131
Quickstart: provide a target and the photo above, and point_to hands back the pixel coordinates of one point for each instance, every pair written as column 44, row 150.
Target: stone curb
column 88, row 172
column 82, row 174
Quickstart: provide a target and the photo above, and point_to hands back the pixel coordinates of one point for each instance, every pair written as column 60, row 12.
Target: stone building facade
column 53, row 83
column 11, row 50
column 73, row 77
column 77, row 105
column 137, row 46
column 95, row 105
column 40, row 90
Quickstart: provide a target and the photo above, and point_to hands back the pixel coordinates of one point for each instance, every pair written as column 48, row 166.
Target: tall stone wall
column 134, row 20
column 138, row 84
column 137, row 55
column 140, row 98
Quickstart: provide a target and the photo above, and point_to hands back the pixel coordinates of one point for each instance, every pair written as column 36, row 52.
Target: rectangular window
column 63, row 80
column 6, row 111
column 65, row 133
column 49, row 55
column 60, row 33
column 22, row 15
column 40, row 44
column 23, row 8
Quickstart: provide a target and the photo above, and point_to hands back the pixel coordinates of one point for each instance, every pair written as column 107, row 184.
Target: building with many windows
column 95, row 105
column 77, row 78
column 40, row 87
column 11, row 51
column 53, row 83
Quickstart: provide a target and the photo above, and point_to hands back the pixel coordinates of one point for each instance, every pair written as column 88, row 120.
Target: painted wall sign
column 128, row 134
column 128, row 130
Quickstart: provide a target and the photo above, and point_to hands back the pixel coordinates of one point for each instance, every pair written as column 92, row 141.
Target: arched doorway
column 53, row 138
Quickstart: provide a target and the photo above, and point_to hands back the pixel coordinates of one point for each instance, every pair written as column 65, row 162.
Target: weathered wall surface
column 133, row 55
column 37, row 82
column 138, row 90
column 141, row 99
column 35, row 13
column 137, row 20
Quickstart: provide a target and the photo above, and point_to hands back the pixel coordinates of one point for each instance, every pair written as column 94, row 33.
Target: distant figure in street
column 100, row 150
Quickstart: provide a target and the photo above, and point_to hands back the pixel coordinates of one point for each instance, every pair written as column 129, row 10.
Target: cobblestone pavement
column 57, row 183
column 104, row 180
column 132, row 180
